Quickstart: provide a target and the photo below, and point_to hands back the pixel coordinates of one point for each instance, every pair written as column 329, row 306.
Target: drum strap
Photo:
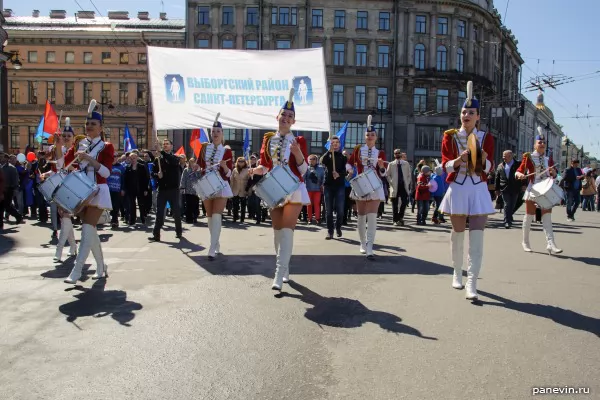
column 88, row 151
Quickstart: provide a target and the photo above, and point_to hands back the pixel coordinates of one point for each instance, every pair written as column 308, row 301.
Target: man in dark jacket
column 166, row 172
column 572, row 178
column 135, row 184
column 334, row 186
column 508, row 185
column 11, row 182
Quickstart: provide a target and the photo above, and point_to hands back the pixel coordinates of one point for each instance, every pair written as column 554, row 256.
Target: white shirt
column 507, row 167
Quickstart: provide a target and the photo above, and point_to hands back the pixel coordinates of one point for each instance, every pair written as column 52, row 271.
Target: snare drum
column 546, row 194
column 50, row 184
column 75, row 192
column 276, row 185
column 209, row 185
column 366, row 183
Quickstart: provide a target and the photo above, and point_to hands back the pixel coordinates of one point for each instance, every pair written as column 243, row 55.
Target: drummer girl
column 216, row 158
column 366, row 157
column 537, row 164
column 283, row 148
column 467, row 158
column 95, row 157
column 65, row 142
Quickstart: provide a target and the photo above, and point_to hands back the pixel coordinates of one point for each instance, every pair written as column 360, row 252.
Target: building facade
column 404, row 62
column 69, row 60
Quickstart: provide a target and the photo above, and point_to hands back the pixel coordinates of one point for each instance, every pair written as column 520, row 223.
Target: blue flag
column 247, row 144
column 340, row 134
column 39, row 133
column 128, row 143
column 203, row 136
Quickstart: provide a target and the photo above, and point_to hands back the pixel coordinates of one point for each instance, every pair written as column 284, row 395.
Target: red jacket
column 450, row 152
column 227, row 155
column 527, row 166
column 267, row 161
column 106, row 157
column 423, row 192
column 356, row 160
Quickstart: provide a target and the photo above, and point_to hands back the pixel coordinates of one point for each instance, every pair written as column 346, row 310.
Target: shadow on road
column 559, row 315
column 6, row 243
column 341, row 312
column 98, row 303
column 585, row 260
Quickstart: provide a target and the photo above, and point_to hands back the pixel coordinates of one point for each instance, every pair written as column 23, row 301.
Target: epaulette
column 357, row 147
column 451, row 132
column 527, row 155
column 269, row 135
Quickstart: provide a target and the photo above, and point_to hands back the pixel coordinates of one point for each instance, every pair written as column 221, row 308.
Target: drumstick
column 543, row 172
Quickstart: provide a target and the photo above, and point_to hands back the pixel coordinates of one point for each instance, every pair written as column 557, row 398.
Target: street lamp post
column 380, row 120
column 567, row 144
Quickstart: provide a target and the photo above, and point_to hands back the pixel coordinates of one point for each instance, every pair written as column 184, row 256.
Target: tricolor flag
column 128, row 143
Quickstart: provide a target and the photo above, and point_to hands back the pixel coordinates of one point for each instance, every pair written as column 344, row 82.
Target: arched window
column 442, row 58
column 420, row 56
column 460, row 60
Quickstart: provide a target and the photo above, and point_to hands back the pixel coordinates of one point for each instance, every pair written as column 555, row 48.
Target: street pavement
column 169, row 324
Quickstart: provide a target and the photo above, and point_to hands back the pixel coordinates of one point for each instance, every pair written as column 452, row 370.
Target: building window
column 142, row 93
column 420, row 56
column 105, row 92
column 361, row 55
column 284, row 16
column 252, row 16
column 32, row 92
column 420, row 100
column 51, row 92
column 338, row 97
column 462, row 28
column 227, row 44
column 442, row 26
column 421, row 24
column 203, row 15
column 383, row 56
column 442, row 100
column 284, row 44
column 15, row 93
column 69, row 92
column 123, row 58
column 32, row 131
column 140, row 138
column 355, row 134
column 32, row 56
column 142, row 58
column 340, row 19
column 429, row 138
column 339, row 54
column 203, row 44
column 384, row 21
column 442, row 56
column 106, row 57
column 460, row 60
column 69, row 57
column 316, row 141
column 87, row 92
column 50, row 57
column 462, row 97
column 362, row 20
column 227, row 15
column 317, row 18
column 87, row 58
column 15, row 139
column 251, row 44
column 475, row 33
column 273, row 15
column 316, row 45
column 360, row 97
column 382, row 94
column 123, row 93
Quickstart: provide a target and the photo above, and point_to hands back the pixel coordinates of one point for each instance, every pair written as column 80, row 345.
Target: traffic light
column 522, row 108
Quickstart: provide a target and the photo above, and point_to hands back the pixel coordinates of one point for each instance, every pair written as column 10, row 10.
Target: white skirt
column 299, row 196
column 467, row 199
column 225, row 193
column 102, row 198
column 376, row 195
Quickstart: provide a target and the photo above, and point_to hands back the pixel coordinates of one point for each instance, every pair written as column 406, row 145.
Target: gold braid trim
column 451, row 132
column 203, row 151
column 267, row 139
column 527, row 155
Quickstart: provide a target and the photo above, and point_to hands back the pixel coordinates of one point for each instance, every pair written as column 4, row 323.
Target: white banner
column 190, row 86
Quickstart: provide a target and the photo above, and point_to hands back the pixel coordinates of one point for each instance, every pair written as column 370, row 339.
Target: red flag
column 180, row 152
column 195, row 142
column 50, row 119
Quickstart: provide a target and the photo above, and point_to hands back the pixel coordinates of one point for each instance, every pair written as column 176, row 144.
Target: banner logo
column 175, row 88
column 304, row 92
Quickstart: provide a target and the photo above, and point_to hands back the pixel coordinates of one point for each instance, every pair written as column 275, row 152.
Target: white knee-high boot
column 547, row 224
column 87, row 237
column 215, row 233
column 371, row 231
column 66, row 234
column 96, row 248
column 277, row 244
column 457, row 240
column 527, row 220
column 361, row 226
column 286, row 247
column 474, row 263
